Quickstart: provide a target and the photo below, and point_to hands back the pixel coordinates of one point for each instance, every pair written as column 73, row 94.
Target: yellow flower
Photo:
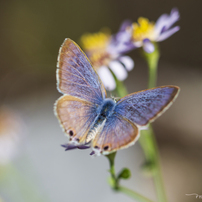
column 97, row 40
column 95, row 46
column 105, row 53
column 144, row 32
column 143, row 29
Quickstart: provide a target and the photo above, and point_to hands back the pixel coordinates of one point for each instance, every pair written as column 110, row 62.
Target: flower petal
column 120, row 43
column 125, row 24
column 174, row 17
column 166, row 21
column 168, row 33
column 148, row 46
column 127, row 62
column 107, row 78
column 138, row 44
column 160, row 23
column 118, row 69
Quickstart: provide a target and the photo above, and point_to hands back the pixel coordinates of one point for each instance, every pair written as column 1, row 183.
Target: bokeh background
column 31, row 34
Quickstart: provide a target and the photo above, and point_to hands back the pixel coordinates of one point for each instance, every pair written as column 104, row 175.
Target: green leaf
column 124, row 174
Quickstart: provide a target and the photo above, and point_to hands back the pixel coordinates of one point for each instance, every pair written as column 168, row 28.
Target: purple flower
column 105, row 52
column 164, row 23
column 121, row 41
column 145, row 32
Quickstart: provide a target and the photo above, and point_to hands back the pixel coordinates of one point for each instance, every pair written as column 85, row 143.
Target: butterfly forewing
column 76, row 76
column 76, row 117
column 144, row 106
column 117, row 133
column 82, row 104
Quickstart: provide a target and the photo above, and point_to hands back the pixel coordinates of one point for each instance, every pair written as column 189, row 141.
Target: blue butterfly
column 88, row 117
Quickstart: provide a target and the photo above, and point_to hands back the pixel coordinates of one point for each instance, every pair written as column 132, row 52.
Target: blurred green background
column 31, row 34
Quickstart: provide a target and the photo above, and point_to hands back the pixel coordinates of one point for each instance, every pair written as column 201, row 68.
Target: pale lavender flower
column 106, row 55
column 144, row 33
column 106, row 51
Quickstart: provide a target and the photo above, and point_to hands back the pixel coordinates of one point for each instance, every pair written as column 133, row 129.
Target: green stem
column 147, row 139
column 152, row 62
column 114, row 182
column 150, row 148
column 120, row 88
column 133, row 194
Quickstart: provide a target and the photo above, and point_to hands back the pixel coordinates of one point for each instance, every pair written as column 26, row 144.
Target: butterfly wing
column 117, row 133
column 75, row 116
column 145, row 106
column 76, row 76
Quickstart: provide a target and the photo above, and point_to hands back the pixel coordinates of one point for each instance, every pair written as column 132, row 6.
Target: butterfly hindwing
column 76, row 76
column 144, row 106
column 82, row 104
column 76, row 117
column 117, row 133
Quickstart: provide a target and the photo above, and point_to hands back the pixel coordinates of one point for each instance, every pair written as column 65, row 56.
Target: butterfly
column 88, row 117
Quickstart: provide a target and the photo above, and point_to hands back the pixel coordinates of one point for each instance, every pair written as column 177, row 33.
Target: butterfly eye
column 106, row 148
column 71, row 133
column 96, row 147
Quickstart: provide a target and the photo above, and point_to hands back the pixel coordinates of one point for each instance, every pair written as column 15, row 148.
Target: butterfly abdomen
column 104, row 111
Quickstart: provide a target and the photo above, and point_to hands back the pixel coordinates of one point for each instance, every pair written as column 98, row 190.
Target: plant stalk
column 147, row 139
column 114, row 182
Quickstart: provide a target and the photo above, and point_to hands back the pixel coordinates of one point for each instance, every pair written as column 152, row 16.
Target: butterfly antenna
column 111, row 94
column 114, row 98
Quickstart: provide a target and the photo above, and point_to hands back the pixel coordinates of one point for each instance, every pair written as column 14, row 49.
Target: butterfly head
column 107, row 107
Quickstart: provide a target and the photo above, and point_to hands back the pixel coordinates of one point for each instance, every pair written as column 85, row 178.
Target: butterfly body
column 107, row 108
column 87, row 116
column 104, row 111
